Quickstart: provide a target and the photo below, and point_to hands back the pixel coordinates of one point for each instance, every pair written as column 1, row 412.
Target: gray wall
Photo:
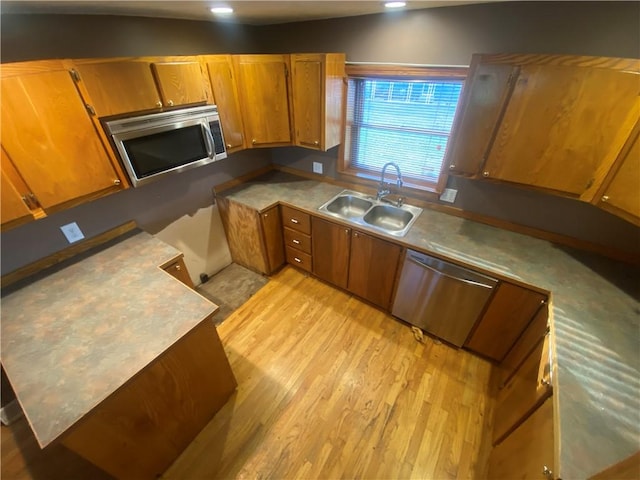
column 449, row 36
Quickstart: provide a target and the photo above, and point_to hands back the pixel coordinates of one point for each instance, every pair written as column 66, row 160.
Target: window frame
column 400, row 73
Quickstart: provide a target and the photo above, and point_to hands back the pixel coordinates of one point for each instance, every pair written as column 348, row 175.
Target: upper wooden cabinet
column 16, row 204
column 317, row 91
column 263, row 82
column 225, row 94
column 120, row 86
column 552, row 122
column 51, row 139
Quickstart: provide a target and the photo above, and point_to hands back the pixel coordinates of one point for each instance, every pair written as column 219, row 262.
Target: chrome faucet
column 383, row 191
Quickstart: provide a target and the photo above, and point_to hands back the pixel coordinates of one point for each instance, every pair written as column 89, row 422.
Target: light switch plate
column 317, row 167
column 449, row 195
column 72, row 232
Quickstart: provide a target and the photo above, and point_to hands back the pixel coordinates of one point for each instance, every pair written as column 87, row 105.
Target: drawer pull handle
column 297, row 259
column 293, row 220
column 297, row 242
column 546, row 471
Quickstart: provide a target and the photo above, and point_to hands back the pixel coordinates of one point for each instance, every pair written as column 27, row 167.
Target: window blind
column 402, row 121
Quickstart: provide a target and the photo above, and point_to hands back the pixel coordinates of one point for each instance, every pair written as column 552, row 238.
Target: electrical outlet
column 449, row 195
column 72, row 232
column 317, row 167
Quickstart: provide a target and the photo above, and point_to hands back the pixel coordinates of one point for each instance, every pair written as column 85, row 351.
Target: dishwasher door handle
column 439, row 272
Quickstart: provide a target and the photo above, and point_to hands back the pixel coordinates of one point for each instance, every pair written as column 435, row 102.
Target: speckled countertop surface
column 72, row 337
column 595, row 310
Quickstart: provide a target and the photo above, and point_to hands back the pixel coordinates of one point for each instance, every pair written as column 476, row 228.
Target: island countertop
column 73, row 336
column 595, row 313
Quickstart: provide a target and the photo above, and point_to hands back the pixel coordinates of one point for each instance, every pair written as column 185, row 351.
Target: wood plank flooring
column 329, row 387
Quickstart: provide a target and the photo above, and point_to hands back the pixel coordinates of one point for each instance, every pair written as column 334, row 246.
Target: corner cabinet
column 553, row 122
column 178, row 270
column 51, row 139
column 263, row 82
column 318, row 93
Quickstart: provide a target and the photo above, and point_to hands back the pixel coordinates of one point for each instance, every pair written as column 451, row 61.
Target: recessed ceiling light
column 395, row 4
column 222, row 10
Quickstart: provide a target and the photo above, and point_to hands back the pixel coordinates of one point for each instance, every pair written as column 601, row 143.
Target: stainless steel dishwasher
column 441, row 298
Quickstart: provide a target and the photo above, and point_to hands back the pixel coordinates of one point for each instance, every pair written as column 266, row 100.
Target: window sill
column 409, row 188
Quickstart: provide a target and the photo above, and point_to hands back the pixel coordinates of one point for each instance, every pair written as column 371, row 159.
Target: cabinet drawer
column 296, row 219
column 528, row 388
column 299, row 259
column 297, row 240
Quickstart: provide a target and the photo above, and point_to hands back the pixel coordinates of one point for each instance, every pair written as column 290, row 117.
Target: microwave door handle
column 211, row 153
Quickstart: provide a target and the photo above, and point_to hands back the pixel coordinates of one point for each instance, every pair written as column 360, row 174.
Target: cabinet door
column 330, row 244
column 528, row 450
column 307, row 92
column 622, row 192
column 510, row 311
column 264, row 98
column 486, row 93
column 14, row 199
column 561, row 124
column 119, row 87
column 180, row 83
column 244, row 234
column 179, row 271
column 51, row 140
column 273, row 239
column 372, row 268
column 225, row 92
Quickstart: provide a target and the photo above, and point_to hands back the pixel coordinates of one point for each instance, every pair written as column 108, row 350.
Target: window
column 400, row 115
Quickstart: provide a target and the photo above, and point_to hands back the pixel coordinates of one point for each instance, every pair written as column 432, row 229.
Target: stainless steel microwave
column 152, row 146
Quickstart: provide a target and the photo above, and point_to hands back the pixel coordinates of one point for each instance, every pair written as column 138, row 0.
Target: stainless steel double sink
column 364, row 210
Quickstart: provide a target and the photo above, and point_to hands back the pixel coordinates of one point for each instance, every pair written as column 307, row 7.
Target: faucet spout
column 382, row 190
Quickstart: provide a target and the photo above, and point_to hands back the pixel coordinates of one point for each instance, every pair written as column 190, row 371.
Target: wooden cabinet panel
column 13, row 204
column 372, row 268
column 297, row 240
column 486, row 93
column 299, row 259
column 120, row 86
column 622, row 192
column 51, row 139
column 179, row 270
column 263, row 82
column 180, row 83
column 528, row 449
column 510, row 311
column 244, row 234
column 522, row 394
column 331, row 246
column 296, row 219
column 307, row 85
column 225, row 92
column 529, row 339
column 274, row 243
column 548, row 137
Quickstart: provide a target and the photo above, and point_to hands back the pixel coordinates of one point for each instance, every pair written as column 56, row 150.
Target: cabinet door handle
column 297, row 259
column 170, row 103
column 546, row 471
column 293, row 220
column 158, row 104
column 178, row 267
column 297, row 242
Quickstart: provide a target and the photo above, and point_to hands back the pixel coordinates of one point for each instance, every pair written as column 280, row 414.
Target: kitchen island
column 594, row 311
column 114, row 357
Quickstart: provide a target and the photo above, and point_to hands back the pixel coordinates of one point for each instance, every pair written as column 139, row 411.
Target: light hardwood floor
column 330, row 387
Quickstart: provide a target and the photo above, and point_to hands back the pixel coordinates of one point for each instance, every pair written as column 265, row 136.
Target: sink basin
column 349, row 206
column 388, row 217
column 365, row 211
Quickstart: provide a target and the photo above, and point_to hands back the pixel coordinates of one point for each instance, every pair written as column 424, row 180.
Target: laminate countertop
column 74, row 334
column 595, row 314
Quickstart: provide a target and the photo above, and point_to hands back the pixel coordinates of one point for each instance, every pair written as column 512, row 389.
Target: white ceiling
column 261, row 12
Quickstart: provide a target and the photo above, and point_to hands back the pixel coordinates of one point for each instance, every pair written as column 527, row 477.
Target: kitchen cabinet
column 620, row 194
column 225, row 93
column 51, row 139
column 524, row 392
column 373, row 264
column 178, row 270
column 16, row 204
column 331, row 245
column 542, row 110
column 317, row 93
column 263, row 82
column 508, row 314
column 528, row 452
column 255, row 239
column 120, row 86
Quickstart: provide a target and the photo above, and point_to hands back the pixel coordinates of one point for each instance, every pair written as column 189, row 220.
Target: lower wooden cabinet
column 331, row 245
column 271, row 223
column 373, row 265
column 179, row 270
column 528, row 452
